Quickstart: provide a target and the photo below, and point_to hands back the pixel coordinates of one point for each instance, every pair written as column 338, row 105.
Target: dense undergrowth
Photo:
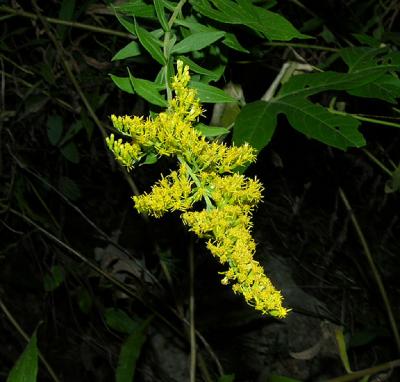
column 108, row 294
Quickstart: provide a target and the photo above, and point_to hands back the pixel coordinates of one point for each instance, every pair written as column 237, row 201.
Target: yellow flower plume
column 205, row 173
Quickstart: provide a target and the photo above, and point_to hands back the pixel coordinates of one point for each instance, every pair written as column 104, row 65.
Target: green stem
column 374, row 269
column 72, row 24
column 196, row 181
column 365, row 119
column 356, row 375
column 300, row 45
column 377, row 162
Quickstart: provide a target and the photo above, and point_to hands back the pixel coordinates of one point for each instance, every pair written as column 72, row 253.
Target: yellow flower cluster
column 206, row 172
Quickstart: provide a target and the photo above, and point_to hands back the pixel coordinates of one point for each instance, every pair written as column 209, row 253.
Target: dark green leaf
column 54, row 129
column 151, row 44
column 281, row 378
column 197, row 41
column 119, row 321
column 272, row 25
column 137, row 8
column 159, row 7
column 148, row 90
column 69, row 188
column 85, row 300
column 226, row 378
column 130, row 353
column 124, row 83
column 130, row 50
column 211, row 94
column 70, row 152
column 26, row 367
column 74, row 129
column 254, row 125
column 66, row 13
column 232, row 42
column 129, row 25
column 54, row 279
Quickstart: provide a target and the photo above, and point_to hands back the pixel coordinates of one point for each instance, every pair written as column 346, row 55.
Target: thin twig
column 373, row 267
column 72, row 24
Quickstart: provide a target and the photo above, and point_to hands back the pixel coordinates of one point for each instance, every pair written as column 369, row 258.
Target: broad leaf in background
column 26, row 367
column 257, row 121
column 272, row 25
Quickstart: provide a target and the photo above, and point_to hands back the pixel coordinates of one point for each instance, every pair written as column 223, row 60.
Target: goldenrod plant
column 206, row 176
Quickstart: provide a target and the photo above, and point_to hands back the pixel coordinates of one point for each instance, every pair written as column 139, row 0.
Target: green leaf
column 254, row 125
column 232, row 42
column 199, row 69
column 54, row 279
column 211, row 94
column 124, row 83
column 74, row 129
column 85, row 300
column 281, row 378
column 393, row 185
column 70, row 152
column 148, row 90
column 226, row 378
column 26, row 367
column 150, row 158
column 211, row 131
column 342, row 349
column 197, row 41
column 54, row 129
column 159, row 7
column 130, row 50
column 272, row 25
column 130, row 353
column 69, row 188
column 137, row 8
column 66, row 13
column 127, row 24
column 119, row 321
column 151, row 44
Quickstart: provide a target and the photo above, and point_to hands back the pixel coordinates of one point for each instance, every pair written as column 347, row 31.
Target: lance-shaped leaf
column 197, row 41
column 151, row 44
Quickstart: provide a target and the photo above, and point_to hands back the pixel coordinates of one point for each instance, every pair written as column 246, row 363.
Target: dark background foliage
column 65, row 204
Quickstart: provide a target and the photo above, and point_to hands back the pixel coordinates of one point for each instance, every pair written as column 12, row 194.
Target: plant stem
column 373, row 267
column 73, row 24
column 300, row 45
column 191, row 315
column 365, row 119
column 362, row 373
column 21, row 331
column 377, row 162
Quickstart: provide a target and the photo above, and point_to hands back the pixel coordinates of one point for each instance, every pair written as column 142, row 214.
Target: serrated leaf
column 159, row 7
column 130, row 50
column 254, row 125
column 151, row 44
column 130, row 353
column 148, row 90
column 54, row 129
column 26, row 367
column 272, row 25
column 211, row 131
column 124, row 83
column 211, row 94
column 197, row 41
